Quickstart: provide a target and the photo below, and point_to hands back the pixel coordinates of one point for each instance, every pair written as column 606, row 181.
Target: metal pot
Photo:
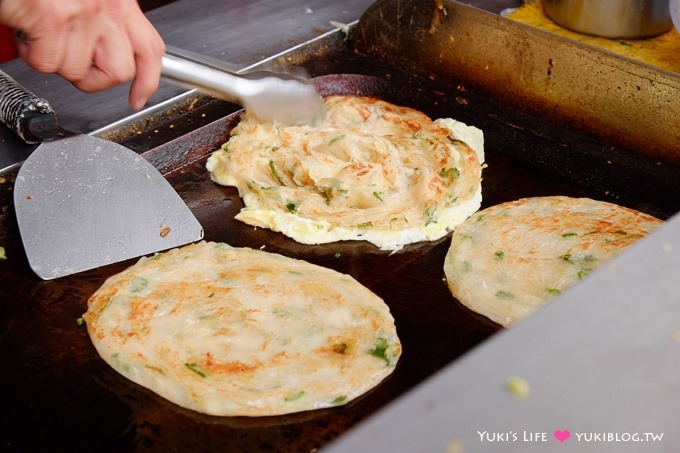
column 611, row 18
column 675, row 13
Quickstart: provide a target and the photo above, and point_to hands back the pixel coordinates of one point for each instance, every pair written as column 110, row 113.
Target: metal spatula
column 82, row 202
column 270, row 96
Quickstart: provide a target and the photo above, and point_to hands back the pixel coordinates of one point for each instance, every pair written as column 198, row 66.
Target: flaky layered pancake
column 236, row 331
column 508, row 260
column 371, row 171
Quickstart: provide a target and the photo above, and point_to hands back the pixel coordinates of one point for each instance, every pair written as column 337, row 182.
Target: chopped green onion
column 337, row 255
column 452, row 198
column 335, row 139
column 138, row 284
column 429, row 215
column 499, row 255
column 3, row 254
column 328, row 193
column 339, row 400
column 295, row 396
column 155, row 368
column 505, row 295
column 450, row 174
column 80, row 321
column 344, row 28
column 275, row 172
column 380, row 349
column 517, row 387
column 291, row 207
column 194, row 367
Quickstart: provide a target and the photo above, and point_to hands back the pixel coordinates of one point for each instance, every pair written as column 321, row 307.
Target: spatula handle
column 23, row 112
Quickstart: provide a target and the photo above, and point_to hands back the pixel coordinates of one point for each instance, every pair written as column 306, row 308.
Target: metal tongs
column 269, row 96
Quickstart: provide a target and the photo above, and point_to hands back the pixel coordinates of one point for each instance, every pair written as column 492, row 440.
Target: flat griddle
column 59, row 393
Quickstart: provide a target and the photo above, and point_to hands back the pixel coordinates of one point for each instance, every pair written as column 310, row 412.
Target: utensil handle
column 207, row 79
column 203, row 60
column 23, row 112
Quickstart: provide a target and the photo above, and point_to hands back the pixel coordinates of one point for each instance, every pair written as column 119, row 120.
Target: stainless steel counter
column 601, row 362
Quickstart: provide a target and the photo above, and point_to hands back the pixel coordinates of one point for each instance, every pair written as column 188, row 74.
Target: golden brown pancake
column 236, row 331
column 370, row 171
column 508, row 260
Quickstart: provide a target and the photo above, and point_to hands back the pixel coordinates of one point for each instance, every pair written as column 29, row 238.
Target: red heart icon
column 562, row 434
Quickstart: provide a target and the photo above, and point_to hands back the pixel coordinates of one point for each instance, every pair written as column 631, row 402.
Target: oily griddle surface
column 58, row 393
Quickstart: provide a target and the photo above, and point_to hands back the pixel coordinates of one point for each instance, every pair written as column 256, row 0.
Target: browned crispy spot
column 234, row 366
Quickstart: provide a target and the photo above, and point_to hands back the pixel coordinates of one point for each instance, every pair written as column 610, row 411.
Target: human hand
column 94, row 44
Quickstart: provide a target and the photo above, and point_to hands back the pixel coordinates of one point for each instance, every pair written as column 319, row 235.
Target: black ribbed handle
column 29, row 116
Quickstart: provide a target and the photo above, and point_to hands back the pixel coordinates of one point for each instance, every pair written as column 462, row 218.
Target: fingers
column 112, row 64
column 46, row 25
column 94, row 44
column 132, row 49
column 44, row 52
column 112, row 59
column 81, row 41
column 148, row 48
column 59, row 37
